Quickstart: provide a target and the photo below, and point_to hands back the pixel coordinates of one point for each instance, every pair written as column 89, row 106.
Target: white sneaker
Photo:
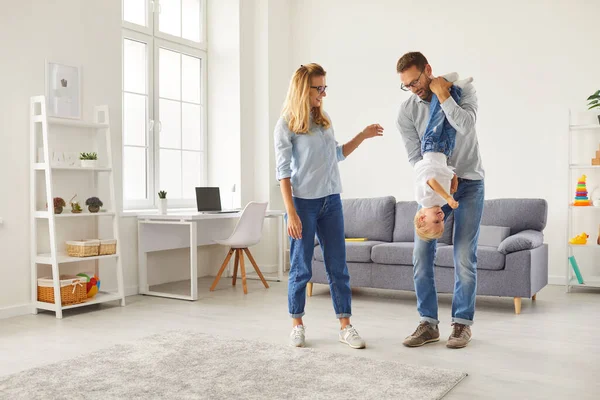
column 297, row 336
column 350, row 336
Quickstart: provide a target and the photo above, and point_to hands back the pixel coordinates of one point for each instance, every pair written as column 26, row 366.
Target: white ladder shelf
column 40, row 122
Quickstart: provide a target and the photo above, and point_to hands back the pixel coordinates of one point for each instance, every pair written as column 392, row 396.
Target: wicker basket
column 72, row 290
column 83, row 248
column 108, row 246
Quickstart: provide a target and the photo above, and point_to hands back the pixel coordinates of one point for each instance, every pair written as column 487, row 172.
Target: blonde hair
column 425, row 233
column 297, row 109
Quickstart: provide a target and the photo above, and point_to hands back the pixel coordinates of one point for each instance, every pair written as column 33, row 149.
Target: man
column 416, row 76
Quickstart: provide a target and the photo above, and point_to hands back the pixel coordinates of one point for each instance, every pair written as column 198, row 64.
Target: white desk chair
column 247, row 232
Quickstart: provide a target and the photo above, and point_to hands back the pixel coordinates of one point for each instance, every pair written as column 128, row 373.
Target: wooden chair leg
column 534, row 297
column 243, row 273
column 517, row 305
column 309, row 287
column 235, row 266
column 214, row 285
column 260, row 275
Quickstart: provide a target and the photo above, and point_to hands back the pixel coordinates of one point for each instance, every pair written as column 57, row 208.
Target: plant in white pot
column 89, row 160
column 162, row 202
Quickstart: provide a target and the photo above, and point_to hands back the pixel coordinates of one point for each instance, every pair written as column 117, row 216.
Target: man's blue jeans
column 325, row 218
column 440, row 136
column 467, row 218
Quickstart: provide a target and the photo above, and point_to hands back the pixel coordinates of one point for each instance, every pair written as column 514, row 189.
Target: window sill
column 135, row 213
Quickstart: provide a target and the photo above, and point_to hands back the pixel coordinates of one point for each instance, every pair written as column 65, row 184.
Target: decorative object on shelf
column 596, row 160
column 89, row 160
column 594, row 102
column 579, row 239
column 83, row 248
column 162, row 202
column 107, row 247
column 63, row 90
column 92, row 283
column 94, row 204
column 576, row 269
column 75, row 207
column 72, row 290
column 59, row 203
column 581, row 195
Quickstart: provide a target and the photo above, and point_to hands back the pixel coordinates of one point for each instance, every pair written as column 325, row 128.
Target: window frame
column 154, row 40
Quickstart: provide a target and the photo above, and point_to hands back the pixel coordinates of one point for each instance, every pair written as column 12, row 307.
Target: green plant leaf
column 594, row 106
column 595, row 95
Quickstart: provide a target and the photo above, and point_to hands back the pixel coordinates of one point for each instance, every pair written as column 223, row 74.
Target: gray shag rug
column 189, row 365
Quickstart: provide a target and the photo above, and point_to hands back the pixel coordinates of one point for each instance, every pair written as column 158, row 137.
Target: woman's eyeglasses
column 320, row 89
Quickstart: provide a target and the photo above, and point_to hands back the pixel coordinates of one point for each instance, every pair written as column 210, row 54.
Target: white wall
column 531, row 61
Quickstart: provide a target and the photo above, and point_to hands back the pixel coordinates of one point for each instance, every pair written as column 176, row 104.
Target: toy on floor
column 579, row 239
column 581, row 195
column 92, row 284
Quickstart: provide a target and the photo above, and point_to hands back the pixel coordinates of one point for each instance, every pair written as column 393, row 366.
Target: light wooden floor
column 550, row 351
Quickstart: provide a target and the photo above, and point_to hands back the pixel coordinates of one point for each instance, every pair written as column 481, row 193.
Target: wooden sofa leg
column 309, row 286
column 534, row 297
column 517, row 305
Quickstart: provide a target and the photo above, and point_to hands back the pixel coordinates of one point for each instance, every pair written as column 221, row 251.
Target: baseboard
column 15, row 311
column 556, row 280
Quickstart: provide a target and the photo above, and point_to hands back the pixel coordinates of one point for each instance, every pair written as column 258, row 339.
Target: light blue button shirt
column 309, row 160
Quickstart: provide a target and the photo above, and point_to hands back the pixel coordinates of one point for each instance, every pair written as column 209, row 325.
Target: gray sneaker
column 425, row 333
column 460, row 337
column 350, row 336
column 297, row 336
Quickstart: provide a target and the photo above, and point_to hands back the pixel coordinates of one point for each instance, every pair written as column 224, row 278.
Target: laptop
column 208, row 200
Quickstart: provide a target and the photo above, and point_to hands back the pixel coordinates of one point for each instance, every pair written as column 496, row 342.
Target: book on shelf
column 576, row 269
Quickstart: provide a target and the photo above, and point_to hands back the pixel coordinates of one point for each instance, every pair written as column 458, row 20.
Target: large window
column 164, row 92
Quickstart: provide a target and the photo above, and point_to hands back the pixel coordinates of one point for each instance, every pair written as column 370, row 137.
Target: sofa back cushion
column 404, row 229
column 372, row 218
column 517, row 214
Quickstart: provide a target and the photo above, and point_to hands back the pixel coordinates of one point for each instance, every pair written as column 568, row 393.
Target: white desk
column 164, row 232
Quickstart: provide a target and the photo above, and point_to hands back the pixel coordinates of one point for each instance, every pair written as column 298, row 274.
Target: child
column 434, row 179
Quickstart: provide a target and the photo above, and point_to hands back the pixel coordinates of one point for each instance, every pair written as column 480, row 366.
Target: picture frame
column 63, row 90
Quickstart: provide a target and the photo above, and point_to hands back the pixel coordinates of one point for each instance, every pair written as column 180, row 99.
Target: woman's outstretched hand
column 372, row 131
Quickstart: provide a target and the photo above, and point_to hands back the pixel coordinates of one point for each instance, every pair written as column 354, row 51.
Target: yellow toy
column 579, row 239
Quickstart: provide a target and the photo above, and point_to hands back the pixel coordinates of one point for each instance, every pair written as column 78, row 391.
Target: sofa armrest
column 524, row 240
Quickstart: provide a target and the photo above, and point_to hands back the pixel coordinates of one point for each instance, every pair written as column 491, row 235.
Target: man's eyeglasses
column 320, row 89
column 414, row 83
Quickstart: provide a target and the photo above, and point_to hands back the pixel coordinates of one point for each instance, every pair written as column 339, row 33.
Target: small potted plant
column 594, row 102
column 93, row 204
column 89, row 160
column 162, row 202
column 59, row 203
column 75, row 207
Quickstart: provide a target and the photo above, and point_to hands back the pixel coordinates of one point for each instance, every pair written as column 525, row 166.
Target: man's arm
column 412, row 142
column 461, row 116
column 435, row 185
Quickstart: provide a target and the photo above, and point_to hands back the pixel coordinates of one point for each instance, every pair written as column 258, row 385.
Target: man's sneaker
column 350, row 336
column 425, row 333
column 297, row 336
column 460, row 337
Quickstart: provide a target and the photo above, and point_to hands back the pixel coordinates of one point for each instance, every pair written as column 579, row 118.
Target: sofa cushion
column 518, row 214
column 404, row 228
column 355, row 251
column 372, row 218
column 396, row 253
column 492, row 235
column 525, row 240
column 487, row 258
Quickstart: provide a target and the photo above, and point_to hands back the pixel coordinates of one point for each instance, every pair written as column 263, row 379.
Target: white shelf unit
column 591, row 211
column 40, row 125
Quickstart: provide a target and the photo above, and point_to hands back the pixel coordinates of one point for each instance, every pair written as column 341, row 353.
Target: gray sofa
column 517, row 267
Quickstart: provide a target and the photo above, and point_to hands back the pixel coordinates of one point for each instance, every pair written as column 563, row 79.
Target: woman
column 307, row 155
